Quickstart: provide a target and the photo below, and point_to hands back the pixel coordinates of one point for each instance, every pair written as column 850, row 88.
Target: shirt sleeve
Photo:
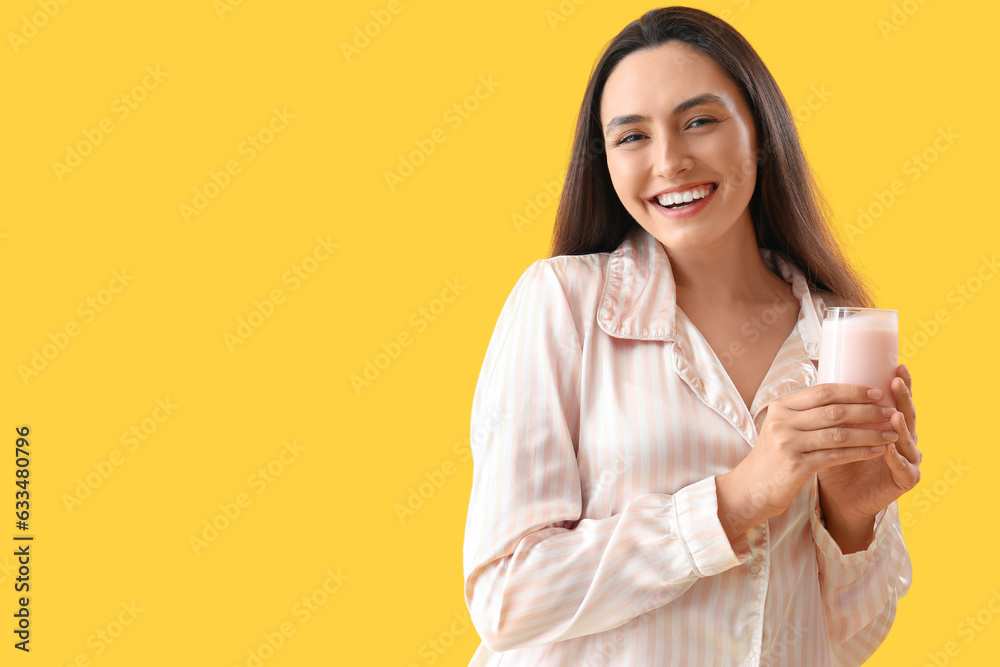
column 536, row 571
column 860, row 590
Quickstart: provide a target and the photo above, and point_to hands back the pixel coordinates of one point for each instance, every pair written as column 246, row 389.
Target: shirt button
column 754, row 566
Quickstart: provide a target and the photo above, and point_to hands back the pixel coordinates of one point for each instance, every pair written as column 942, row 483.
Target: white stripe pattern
column 599, row 423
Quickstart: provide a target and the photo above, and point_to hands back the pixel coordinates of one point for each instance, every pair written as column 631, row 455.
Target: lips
column 685, row 195
column 686, row 201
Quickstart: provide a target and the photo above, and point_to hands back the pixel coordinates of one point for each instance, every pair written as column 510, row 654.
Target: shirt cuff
column 828, row 546
column 696, row 508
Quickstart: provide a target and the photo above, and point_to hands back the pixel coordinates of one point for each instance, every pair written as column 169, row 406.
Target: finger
column 904, row 372
column 906, row 444
column 827, row 458
column 836, row 414
column 845, row 437
column 904, row 403
column 904, row 472
column 831, row 392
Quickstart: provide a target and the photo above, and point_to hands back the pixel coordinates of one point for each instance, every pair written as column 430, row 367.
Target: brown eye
column 703, row 121
column 626, row 139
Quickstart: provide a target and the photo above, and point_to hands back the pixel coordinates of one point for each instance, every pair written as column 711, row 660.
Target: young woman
column 658, row 478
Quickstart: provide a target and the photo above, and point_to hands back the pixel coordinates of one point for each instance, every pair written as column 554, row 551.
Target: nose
column 672, row 156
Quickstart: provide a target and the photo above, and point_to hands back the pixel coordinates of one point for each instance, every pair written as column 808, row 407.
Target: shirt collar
column 639, row 300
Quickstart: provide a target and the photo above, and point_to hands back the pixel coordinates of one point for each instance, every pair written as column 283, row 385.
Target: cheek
column 746, row 172
column 737, row 161
column 624, row 175
column 744, row 157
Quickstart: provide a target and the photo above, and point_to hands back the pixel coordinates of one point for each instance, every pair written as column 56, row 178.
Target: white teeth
column 684, row 197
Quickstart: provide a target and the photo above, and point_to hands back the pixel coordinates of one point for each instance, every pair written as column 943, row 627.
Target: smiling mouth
column 679, row 200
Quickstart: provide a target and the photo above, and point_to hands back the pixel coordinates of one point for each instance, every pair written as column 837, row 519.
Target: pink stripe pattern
column 600, row 421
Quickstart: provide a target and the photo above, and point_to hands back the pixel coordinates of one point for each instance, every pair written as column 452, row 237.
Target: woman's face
column 674, row 122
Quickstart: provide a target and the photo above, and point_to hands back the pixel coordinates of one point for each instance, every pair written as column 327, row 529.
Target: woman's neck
column 728, row 273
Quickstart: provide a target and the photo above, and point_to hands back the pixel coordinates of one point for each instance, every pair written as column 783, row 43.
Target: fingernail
column 890, row 435
column 888, row 412
column 879, row 449
column 875, row 393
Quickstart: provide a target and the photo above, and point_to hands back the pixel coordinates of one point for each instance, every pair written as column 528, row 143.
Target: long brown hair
column 789, row 212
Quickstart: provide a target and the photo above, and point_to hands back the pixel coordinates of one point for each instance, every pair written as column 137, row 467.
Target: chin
column 689, row 239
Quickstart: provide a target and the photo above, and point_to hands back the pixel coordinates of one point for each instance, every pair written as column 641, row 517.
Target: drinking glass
column 860, row 346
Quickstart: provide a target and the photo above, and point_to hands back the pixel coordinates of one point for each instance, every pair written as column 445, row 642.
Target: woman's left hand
column 852, row 494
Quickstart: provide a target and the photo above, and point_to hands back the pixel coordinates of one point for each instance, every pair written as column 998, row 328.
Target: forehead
column 664, row 76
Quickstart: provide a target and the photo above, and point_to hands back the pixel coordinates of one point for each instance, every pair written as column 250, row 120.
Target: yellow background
column 333, row 507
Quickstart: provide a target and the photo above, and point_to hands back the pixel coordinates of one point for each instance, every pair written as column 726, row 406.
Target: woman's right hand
column 803, row 432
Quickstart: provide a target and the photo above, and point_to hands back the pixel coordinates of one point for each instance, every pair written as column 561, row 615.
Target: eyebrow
column 706, row 98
